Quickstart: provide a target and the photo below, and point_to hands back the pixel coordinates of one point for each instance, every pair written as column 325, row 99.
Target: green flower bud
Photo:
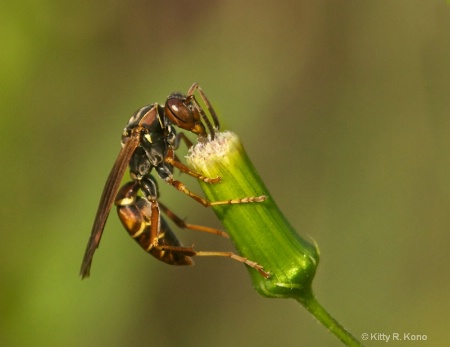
column 258, row 230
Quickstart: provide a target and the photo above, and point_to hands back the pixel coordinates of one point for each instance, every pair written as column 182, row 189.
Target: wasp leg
column 170, row 159
column 182, row 137
column 182, row 188
column 189, row 251
column 183, row 225
column 236, row 257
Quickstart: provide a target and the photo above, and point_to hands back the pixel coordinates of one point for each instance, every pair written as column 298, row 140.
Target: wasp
column 149, row 142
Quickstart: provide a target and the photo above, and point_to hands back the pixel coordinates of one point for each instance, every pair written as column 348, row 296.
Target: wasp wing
column 106, row 201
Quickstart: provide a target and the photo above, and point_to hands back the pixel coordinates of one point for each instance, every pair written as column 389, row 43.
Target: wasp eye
column 178, row 112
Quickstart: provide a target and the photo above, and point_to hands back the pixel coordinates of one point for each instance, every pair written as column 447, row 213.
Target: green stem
column 318, row 311
column 260, row 231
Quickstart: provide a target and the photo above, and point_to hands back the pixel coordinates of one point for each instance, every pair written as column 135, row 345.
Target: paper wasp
column 148, row 143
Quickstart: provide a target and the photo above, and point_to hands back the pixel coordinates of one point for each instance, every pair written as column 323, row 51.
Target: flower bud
column 258, row 230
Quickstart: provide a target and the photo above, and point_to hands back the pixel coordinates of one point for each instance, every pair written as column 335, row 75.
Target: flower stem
column 318, row 311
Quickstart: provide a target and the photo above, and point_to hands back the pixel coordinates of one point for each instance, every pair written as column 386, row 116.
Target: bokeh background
column 344, row 108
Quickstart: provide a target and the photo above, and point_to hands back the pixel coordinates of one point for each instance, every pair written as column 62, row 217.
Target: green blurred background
column 343, row 107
